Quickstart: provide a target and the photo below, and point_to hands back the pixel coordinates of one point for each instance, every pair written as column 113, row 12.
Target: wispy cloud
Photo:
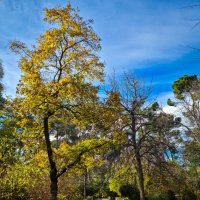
column 145, row 32
column 134, row 33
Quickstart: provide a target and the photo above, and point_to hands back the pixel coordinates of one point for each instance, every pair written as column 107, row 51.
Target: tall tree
column 187, row 93
column 146, row 129
column 57, row 76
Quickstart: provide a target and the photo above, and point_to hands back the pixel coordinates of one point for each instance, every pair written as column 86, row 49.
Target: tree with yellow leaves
column 57, row 77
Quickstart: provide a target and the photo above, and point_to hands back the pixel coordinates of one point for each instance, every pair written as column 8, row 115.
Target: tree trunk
column 138, row 159
column 140, row 175
column 53, row 169
column 85, row 184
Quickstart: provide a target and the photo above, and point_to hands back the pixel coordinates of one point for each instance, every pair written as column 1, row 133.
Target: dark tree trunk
column 140, row 175
column 85, row 185
column 138, row 160
column 53, row 169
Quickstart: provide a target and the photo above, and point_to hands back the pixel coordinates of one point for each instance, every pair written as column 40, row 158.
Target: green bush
column 107, row 193
column 130, row 191
column 189, row 195
column 169, row 195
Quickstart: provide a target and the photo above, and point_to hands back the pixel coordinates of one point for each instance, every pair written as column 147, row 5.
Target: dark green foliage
column 170, row 102
column 184, row 85
column 155, row 106
column 177, row 120
column 169, row 195
column 112, row 195
column 91, row 190
column 109, row 193
column 130, row 191
column 189, row 195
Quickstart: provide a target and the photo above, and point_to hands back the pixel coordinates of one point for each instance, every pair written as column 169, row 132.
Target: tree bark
column 140, row 175
column 138, row 160
column 85, row 185
column 53, row 169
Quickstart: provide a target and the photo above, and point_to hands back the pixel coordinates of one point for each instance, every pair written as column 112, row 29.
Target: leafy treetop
column 57, row 74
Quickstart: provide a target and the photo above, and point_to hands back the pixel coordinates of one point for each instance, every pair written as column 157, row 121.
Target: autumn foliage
column 59, row 139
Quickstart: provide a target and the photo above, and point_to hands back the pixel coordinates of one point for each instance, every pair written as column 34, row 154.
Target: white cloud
column 177, row 110
column 162, row 100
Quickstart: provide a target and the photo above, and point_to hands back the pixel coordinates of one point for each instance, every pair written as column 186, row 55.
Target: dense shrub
column 189, row 195
column 169, row 195
column 130, row 191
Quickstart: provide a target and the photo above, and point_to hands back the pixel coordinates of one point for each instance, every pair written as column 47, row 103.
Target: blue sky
column 149, row 38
